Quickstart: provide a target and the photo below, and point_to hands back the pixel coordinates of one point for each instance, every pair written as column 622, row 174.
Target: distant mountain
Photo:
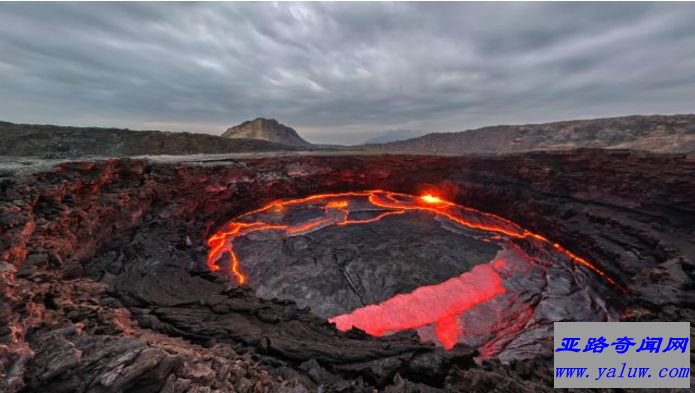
column 391, row 136
column 267, row 130
column 657, row 133
column 50, row 141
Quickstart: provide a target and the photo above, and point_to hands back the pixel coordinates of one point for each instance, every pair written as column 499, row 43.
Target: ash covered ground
column 105, row 283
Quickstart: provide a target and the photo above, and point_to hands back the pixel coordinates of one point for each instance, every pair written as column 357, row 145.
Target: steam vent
column 331, row 272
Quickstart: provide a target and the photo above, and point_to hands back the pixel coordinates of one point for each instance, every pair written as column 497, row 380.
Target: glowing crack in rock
column 437, row 311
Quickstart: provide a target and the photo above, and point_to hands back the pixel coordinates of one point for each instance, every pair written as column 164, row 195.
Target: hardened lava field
column 128, row 275
column 385, row 262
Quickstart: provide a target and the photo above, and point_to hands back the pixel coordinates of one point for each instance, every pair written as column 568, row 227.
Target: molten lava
column 336, row 212
column 443, row 303
column 441, row 306
column 429, row 198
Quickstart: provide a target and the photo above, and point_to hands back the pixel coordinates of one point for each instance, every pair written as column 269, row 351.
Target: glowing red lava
column 336, row 212
column 441, row 305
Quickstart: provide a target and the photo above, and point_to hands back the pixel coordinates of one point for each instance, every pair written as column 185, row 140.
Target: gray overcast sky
column 342, row 72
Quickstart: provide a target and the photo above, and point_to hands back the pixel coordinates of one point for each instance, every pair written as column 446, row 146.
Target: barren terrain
column 105, row 283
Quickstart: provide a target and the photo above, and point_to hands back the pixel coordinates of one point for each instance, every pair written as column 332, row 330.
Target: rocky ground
column 104, row 284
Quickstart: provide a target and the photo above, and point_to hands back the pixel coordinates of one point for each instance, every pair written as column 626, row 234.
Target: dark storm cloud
column 341, row 72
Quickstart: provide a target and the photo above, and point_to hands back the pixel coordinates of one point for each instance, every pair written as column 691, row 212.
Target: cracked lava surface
column 489, row 283
column 104, row 284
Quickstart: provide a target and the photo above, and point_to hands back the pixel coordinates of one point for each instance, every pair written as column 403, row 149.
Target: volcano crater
column 111, row 259
column 385, row 262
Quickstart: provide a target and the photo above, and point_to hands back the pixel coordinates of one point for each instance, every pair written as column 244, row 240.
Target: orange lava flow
column 336, row 212
column 439, row 304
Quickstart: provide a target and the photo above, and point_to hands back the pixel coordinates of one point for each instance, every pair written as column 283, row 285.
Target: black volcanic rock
column 666, row 134
column 48, row 141
column 267, row 130
column 354, row 266
column 103, row 285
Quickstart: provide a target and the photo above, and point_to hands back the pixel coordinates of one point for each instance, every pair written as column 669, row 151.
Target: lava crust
column 420, row 275
column 106, row 286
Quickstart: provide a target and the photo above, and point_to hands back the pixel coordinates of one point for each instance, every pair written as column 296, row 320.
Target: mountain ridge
column 51, row 141
column 269, row 130
column 657, row 133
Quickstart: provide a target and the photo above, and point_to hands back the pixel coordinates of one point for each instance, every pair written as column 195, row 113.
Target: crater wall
column 106, row 259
